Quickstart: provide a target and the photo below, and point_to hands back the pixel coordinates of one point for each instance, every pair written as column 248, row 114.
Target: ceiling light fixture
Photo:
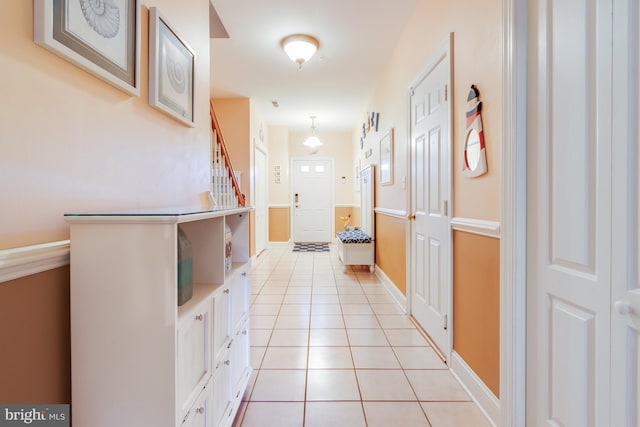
column 313, row 140
column 300, row 47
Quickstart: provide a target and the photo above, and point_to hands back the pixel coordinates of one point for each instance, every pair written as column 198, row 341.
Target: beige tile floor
column 332, row 348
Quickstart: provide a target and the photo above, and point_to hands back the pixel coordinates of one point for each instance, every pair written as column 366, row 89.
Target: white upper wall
column 71, row 142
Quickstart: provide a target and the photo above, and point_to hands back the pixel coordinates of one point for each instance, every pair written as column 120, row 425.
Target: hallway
column 330, row 348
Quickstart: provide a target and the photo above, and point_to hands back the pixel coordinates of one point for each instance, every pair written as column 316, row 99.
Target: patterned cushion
column 355, row 236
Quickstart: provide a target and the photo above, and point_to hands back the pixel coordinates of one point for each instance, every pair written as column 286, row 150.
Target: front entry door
column 312, row 200
column 430, row 269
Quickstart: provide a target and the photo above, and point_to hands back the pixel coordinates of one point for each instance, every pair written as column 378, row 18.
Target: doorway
column 261, row 197
column 312, row 200
column 583, row 293
column 430, row 230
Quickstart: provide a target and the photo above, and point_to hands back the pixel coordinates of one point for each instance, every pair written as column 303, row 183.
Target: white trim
column 391, row 212
column 477, row 389
column 27, row 260
column 392, row 288
column 476, row 226
column 279, row 206
column 513, row 194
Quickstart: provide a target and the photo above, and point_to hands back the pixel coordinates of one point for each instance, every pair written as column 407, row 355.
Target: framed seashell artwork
column 99, row 36
column 171, row 68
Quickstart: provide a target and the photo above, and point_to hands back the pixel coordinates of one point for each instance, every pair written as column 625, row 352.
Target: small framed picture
column 171, row 70
column 386, row 158
column 102, row 38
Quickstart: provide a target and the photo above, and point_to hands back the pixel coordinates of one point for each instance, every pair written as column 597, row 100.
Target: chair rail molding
column 476, row 226
column 27, row 260
column 391, row 212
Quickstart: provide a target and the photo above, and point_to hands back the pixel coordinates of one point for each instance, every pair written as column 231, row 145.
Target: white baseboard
column 479, row 392
column 392, row 288
column 25, row 261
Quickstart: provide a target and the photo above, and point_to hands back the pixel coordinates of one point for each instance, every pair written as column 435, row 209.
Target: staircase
column 225, row 187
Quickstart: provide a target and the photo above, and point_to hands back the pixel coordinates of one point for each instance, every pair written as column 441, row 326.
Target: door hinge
column 446, row 92
column 445, row 321
column 446, row 208
column 412, row 90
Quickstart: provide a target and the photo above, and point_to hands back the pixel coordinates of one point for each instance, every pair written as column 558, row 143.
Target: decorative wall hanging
column 100, row 36
column 386, row 159
column 370, row 123
column 475, row 156
column 171, row 68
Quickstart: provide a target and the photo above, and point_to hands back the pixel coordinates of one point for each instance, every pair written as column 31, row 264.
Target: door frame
column 445, row 48
column 266, row 196
column 513, row 187
column 332, row 194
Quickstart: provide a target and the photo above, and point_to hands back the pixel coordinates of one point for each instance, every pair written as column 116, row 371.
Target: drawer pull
column 227, row 362
column 244, row 274
column 226, row 290
column 200, row 316
column 244, row 332
column 200, row 410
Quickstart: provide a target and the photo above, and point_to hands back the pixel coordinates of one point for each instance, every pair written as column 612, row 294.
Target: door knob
column 623, row 307
column 411, row 217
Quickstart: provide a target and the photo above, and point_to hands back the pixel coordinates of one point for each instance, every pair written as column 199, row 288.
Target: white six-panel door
column 625, row 317
column 430, row 270
column 582, row 235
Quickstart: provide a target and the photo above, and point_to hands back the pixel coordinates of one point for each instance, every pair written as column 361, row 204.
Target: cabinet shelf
column 137, row 357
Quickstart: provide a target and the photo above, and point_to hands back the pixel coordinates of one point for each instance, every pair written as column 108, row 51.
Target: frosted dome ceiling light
column 300, row 47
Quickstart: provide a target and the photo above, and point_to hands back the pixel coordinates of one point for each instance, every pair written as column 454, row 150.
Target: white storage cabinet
column 137, row 359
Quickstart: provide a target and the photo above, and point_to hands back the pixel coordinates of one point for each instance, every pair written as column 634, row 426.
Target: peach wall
column 36, row 341
column 391, row 251
column 477, row 60
column 279, row 224
column 476, row 305
column 71, row 142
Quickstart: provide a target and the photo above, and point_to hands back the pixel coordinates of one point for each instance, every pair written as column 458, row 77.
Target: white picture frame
column 386, row 159
column 171, row 70
column 105, row 43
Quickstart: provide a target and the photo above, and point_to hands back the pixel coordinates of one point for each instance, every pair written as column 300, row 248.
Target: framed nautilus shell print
column 171, row 68
column 100, row 36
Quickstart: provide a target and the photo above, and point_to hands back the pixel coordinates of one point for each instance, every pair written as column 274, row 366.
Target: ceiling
column 356, row 39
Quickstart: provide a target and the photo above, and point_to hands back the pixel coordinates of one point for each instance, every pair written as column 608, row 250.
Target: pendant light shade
column 313, row 141
column 300, row 47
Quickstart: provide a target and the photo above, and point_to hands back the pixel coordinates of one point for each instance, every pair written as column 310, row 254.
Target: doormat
column 311, row 247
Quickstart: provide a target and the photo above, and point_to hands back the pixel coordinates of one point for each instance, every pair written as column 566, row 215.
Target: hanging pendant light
column 300, row 47
column 313, row 141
